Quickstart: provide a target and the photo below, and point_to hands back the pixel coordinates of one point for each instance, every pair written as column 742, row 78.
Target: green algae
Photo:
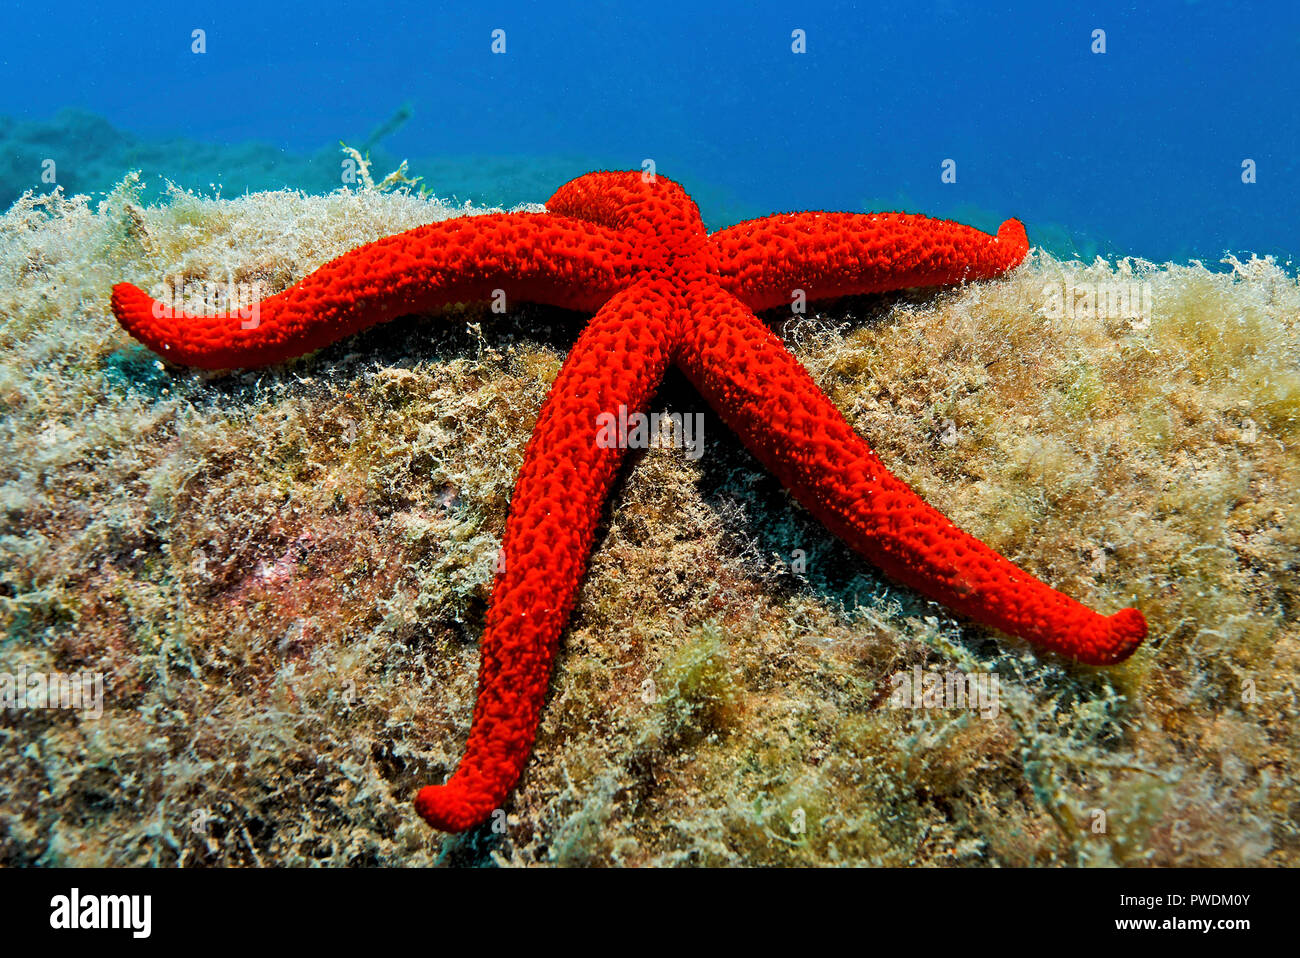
column 135, row 367
column 284, row 573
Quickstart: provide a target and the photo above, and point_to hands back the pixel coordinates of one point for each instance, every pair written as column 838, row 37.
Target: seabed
column 282, row 574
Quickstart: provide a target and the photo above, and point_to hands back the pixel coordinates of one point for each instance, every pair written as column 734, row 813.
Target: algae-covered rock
column 282, row 574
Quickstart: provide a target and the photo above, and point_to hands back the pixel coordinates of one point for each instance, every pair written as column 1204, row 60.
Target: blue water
column 1138, row 150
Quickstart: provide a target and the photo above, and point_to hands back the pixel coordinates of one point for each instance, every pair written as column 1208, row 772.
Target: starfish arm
column 763, row 393
column 763, row 262
column 568, row 468
column 534, row 257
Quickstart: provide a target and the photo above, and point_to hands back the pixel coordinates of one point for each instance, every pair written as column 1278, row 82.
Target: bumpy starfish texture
column 634, row 251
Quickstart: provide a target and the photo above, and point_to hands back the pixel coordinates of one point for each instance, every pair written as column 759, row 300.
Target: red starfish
column 633, row 249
